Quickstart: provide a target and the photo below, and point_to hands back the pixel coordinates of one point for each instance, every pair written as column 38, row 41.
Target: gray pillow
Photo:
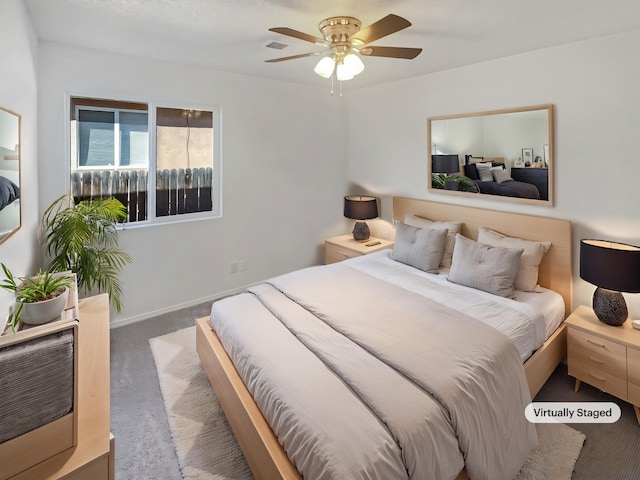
column 419, row 247
column 451, row 227
column 492, row 269
column 484, row 172
column 527, row 277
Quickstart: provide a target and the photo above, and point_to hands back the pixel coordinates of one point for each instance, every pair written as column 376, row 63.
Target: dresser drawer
column 633, row 374
column 335, row 253
column 588, row 342
column 598, row 362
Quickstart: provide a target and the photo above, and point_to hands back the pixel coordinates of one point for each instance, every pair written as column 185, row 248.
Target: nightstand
column 604, row 356
column 345, row 246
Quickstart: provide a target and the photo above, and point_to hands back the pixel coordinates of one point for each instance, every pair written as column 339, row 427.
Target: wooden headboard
column 555, row 270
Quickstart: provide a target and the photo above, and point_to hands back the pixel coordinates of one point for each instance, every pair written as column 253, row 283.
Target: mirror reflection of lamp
column 360, row 208
column 447, row 165
column 613, row 268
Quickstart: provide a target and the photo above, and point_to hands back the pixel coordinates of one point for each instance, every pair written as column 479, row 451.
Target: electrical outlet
column 233, row 267
column 242, row 265
column 385, row 235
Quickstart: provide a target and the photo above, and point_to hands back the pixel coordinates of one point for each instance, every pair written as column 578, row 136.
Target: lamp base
column 610, row 307
column 361, row 231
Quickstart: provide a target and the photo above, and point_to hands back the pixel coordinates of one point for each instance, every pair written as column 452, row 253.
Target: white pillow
column 501, row 175
column 419, row 247
column 527, row 278
column 492, row 269
column 452, row 229
column 484, row 172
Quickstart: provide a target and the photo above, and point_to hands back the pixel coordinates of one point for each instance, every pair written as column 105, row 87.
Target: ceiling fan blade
column 383, row 27
column 293, row 57
column 299, row 35
column 391, row 52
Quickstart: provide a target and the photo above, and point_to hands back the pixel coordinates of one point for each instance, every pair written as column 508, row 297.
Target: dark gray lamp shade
column 445, row 164
column 360, row 208
column 613, row 268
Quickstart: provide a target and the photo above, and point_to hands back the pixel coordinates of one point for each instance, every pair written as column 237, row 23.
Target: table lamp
column 446, row 164
column 360, row 208
column 613, row 268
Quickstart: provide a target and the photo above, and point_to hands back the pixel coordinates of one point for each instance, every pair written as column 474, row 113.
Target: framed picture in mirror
column 527, row 156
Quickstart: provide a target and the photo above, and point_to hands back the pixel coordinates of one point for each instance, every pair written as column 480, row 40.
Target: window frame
column 116, row 138
column 152, row 106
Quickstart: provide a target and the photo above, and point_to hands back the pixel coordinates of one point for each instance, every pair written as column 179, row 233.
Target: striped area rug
column 207, row 449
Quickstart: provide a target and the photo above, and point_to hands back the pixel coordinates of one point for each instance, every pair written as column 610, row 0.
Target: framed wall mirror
column 501, row 154
column 10, row 210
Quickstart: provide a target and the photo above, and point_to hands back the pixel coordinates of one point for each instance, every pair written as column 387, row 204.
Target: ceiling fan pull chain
column 331, row 84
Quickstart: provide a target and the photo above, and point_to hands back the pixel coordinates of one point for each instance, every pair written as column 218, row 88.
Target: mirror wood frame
column 550, row 160
column 14, row 227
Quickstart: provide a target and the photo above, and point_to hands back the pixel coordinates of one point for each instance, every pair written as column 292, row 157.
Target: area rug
column 207, row 449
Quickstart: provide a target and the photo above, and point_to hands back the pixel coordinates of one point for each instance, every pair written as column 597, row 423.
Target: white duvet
column 362, row 375
column 528, row 321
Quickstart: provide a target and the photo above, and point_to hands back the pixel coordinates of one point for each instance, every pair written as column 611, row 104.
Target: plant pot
column 37, row 313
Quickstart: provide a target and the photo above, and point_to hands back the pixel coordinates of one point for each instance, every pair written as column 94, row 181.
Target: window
column 161, row 173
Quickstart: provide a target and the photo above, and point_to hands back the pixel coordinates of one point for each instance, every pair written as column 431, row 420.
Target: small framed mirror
column 501, row 154
column 10, row 209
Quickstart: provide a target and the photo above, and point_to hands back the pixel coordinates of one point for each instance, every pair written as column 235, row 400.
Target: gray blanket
column 421, row 389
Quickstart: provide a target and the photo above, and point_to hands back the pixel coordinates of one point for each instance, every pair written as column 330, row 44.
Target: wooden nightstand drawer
column 586, row 342
column 597, row 361
column 337, row 253
column 633, row 375
column 605, row 377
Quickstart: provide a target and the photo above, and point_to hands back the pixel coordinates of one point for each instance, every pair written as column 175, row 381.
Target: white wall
column 284, row 174
column 594, row 87
column 18, row 93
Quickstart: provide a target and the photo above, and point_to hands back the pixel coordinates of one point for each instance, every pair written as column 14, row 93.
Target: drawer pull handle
column 595, row 343
column 597, row 378
column 595, row 360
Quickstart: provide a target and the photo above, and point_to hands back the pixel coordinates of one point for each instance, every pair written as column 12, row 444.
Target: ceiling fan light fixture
column 353, row 64
column 325, row 67
column 343, row 73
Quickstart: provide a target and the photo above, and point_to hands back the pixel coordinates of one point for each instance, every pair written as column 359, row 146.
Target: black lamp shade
column 360, row 208
column 445, row 164
column 610, row 265
column 613, row 268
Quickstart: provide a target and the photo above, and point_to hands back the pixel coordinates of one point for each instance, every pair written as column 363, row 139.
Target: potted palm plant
column 40, row 299
column 82, row 238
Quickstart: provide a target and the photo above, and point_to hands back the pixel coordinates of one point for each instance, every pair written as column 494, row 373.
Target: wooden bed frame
column 266, row 458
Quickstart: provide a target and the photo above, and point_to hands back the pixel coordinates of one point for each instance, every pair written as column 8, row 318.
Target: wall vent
column 276, row 45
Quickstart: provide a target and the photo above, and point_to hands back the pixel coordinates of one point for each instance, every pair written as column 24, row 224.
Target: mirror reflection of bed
column 507, row 154
column 10, row 216
column 363, row 289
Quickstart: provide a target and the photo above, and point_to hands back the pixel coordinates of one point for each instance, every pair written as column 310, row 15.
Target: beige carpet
column 207, row 449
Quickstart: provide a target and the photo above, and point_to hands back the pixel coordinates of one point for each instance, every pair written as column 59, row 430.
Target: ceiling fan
column 344, row 41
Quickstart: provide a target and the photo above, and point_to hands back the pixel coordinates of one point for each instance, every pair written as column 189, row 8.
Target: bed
column 509, row 188
column 264, row 453
column 495, row 180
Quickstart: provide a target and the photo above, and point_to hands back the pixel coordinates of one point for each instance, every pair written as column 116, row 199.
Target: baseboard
column 121, row 322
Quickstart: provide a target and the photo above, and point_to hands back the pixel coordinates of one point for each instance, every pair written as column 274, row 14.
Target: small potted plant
column 40, row 299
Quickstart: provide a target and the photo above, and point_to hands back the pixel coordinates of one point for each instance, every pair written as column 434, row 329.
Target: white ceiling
column 231, row 35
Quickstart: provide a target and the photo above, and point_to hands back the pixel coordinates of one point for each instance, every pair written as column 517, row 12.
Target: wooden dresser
column 92, row 457
column 604, row 356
